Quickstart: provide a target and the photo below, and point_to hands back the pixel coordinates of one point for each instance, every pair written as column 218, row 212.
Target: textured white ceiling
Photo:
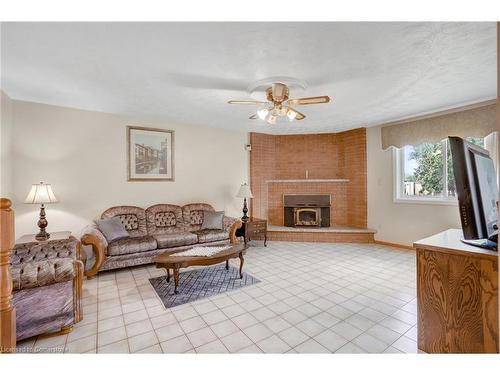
column 186, row 72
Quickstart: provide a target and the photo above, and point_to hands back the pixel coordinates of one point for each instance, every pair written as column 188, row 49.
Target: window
column 424, row 173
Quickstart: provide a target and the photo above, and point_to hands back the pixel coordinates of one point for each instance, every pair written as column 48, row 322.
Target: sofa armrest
column 93, row 237
column 227, row 222
column 232, row 231
column 92, row 230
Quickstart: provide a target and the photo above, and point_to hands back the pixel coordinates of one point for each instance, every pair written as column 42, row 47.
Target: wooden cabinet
column 253, row 229
column 457, row 293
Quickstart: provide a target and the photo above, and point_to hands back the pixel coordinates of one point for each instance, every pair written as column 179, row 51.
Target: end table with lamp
column 41, row 194
column 252, row 228
column 244, row 193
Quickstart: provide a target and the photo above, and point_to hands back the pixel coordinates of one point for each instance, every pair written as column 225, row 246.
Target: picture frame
column 150, row 154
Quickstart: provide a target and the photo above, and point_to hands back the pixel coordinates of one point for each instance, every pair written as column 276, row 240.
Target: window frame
column 398, row 181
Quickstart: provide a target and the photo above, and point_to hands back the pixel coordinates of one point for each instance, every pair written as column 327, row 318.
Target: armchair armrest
column 93, row 237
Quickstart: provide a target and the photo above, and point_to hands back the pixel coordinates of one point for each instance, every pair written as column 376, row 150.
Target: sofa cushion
column 131, row 245
column 211, row 235
column 112, row 228
column 213, row 220
column 164, row 218
column 44, row 309
column 133, row 219
column 193, row 215
column 175, row 239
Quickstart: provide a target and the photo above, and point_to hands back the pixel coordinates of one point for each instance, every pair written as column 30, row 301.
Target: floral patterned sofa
column 159, row 229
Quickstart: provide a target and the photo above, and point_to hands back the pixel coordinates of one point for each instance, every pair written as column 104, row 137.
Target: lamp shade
column 40, row 193
column 244, row 192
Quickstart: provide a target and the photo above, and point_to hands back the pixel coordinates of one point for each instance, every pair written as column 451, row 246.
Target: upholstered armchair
column 47, row 283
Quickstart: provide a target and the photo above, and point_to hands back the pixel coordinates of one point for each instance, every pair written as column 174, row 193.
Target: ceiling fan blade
column 311, row 100
column 246, row 102
column 298, row 116
column 254, row 117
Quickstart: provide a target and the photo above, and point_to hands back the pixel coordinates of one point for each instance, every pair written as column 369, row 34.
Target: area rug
column 200, row 283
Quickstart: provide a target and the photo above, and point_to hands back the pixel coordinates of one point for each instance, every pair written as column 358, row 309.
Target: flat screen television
column 477, row 192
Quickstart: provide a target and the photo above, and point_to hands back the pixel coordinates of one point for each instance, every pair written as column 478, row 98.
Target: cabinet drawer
column 258, row 225
column 256, row 232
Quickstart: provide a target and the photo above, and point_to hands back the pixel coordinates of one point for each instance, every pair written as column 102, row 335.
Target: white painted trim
column 396, row 172
column 427, row 201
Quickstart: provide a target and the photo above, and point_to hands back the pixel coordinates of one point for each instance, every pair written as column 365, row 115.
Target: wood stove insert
column 306, row 210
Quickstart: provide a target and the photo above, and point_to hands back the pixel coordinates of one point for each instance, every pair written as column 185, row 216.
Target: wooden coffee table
column 168, row 261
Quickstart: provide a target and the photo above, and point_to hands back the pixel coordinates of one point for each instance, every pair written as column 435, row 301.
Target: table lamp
column 244, row 193
column 40, row 194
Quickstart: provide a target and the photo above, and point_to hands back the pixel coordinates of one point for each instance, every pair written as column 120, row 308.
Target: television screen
column 477, row 192
column 488, row 190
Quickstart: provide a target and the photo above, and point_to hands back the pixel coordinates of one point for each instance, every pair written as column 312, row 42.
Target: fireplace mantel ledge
column 340, row 180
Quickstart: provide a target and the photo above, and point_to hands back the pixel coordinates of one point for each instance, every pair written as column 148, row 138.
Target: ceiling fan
column 279, row 104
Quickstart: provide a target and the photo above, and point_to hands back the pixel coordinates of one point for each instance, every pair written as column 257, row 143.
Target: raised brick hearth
column 332, row 234
column 333, row 164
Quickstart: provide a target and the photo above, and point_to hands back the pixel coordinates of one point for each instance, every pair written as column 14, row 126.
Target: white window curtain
column 479, row 120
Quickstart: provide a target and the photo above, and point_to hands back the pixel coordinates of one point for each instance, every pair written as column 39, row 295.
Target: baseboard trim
column 406, row 247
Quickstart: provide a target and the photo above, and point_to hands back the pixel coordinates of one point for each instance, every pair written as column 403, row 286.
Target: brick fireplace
column 331, row 165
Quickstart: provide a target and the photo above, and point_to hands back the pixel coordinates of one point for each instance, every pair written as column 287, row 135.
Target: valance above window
column 476, row 121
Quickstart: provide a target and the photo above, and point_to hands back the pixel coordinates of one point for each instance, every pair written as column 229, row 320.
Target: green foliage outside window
column 430, row 173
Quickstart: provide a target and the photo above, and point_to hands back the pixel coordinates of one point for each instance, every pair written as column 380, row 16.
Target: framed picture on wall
column 150, row 154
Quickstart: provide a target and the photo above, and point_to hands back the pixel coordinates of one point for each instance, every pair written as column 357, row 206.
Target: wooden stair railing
column 7, row 310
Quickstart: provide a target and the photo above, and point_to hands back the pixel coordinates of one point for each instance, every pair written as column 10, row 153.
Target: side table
column 253, row 229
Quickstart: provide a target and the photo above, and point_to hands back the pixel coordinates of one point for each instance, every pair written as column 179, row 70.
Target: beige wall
column 83, row 155
column 6, row 127
column 401, row 223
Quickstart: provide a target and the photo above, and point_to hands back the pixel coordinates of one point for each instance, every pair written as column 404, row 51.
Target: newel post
column 7, row 310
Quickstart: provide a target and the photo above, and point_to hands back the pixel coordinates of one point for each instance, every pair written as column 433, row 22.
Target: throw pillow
column 112, row 228
column 213, row 220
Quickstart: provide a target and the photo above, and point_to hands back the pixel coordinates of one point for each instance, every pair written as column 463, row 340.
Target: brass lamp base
column 42, row 236
column 42, row 224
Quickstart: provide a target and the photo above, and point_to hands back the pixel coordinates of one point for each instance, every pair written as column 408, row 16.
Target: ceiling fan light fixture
column 282, row 111
column 279, row 105
column 262, row 113
column 291, row 115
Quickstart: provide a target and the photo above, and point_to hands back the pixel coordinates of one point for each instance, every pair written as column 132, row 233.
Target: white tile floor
column 313, row 298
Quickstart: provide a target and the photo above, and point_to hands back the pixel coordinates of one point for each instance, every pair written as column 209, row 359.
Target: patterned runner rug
column 200, row 283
